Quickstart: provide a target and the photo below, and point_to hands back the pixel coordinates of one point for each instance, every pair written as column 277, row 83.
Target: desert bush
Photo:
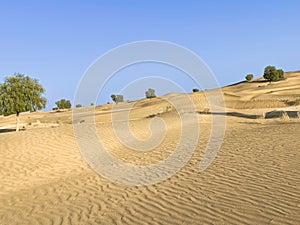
column 150, row 93
column 117, row 98
column 280, row 73
column 195, row 90
column 292, row 103
column 78, row 106
column 249, row 77
column 168, row 108
column 63, row 104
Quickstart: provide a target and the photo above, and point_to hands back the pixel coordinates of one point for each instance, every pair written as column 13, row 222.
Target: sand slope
column 255, row 178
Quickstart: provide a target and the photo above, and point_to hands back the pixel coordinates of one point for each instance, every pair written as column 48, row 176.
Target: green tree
column 20, row 93
column 78, row 105
column 117, row 98
column 113, row 97
column 280, row 73
column 195, row 90
column 63, row 104
column 150, row 93
column 271, row 74
column 249, row 77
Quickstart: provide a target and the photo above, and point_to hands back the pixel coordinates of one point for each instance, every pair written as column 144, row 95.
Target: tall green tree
column 63, row 104
column 20, row 93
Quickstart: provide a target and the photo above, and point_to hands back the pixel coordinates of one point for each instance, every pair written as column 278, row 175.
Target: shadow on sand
column 268, row 115
column 235, row 114
column 7, row 130
column 279, row 114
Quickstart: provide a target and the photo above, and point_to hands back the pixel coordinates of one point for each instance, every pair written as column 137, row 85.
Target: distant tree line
column 20, row 93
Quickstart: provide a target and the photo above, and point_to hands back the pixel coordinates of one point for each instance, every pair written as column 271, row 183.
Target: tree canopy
column 117, row 98
column 20, row 93
column 280, row 73
column 272, row 74
column 63, row 104
column 249, row 77
column 150, row 93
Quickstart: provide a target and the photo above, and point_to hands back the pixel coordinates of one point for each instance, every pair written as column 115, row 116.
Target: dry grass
column 298, row 116
column 284, row 117
column 261, row 117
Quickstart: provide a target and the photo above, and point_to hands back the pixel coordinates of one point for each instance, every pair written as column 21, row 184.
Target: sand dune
column 255, row 178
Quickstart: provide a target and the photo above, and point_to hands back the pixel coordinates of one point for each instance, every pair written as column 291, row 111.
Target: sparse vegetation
column 20, row 93
column 150, row 93
column 195, row 90
column 295, row 102
column 78, row 106
column 249, row 77
column 261, row 117
column 285, row 117
column 298, row 116
column 280, row 73
column 117, row 98
column 272, row 74
column 63, row 104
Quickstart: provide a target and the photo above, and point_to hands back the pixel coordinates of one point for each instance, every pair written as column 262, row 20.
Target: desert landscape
column 254, row 179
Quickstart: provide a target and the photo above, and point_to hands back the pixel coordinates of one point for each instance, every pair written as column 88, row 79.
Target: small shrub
column 117, row 98
column 249, row 77
column 150, row 93
column 195, row 90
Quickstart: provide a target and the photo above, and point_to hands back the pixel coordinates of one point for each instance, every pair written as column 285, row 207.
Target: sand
column 255, row 178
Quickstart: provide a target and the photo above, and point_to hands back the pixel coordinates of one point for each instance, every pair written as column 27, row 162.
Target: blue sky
column 56, row 41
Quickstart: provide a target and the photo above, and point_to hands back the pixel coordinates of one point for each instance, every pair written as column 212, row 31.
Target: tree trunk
column 17, row 121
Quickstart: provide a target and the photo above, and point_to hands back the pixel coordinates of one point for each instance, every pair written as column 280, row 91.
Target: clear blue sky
column 55, row 41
